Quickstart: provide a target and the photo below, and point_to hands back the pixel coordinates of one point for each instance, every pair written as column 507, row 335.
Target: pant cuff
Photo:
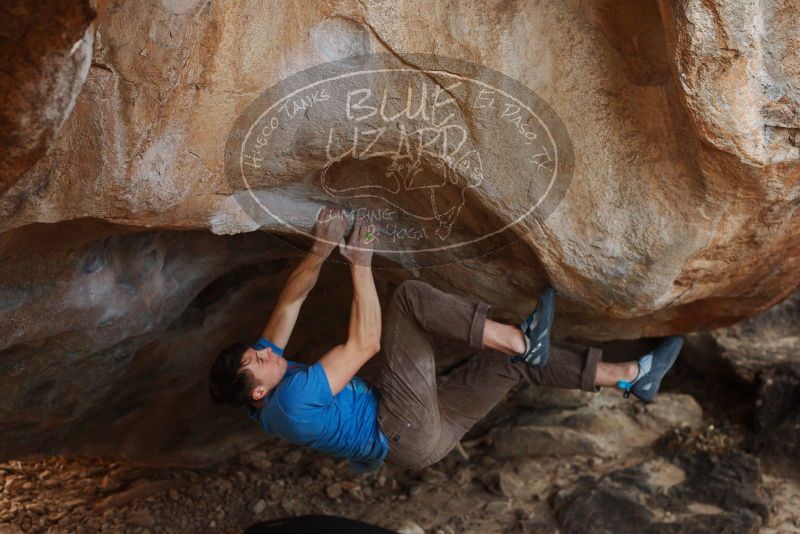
column 478, row 322
column 589, row 374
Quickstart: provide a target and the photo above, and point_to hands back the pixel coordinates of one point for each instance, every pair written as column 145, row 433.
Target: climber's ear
column 258, row 393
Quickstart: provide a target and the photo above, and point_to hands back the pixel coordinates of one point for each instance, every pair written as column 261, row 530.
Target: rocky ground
column 689, row 472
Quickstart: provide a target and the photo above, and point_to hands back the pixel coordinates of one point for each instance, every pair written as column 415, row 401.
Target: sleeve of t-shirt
column 306, row 390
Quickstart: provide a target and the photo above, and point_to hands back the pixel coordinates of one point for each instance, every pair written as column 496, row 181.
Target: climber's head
column 242, row 374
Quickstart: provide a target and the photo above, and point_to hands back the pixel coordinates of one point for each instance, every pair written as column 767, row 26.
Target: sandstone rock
column 497, row 507
column 409, row 527
column 433, row 476
column 778, row 417
column 684, row 134
column 538, row 478
column 464, row 476
column 142, row 490
column 291, row 506
column 333, row 491
column 688, row 494
column 255, row 459
column 744, row 350
column 292, row 457
column 195, row 491
column 506, row 484
column 608, row 426
column 353, row 490
column 43, row 72
column 541, row 398
column 545, row 441
column 765, row 352
column 259, row 506
column 141, row 518
column 110, row 483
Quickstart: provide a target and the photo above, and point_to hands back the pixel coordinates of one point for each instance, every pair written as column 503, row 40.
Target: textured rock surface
column 692, row 493
column 778, row 418
column 682, row 213
column 746, row 350
column 608, row 425
column 762, row 353
column 45, row 50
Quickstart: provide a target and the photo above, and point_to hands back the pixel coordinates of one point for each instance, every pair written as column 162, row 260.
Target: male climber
column 409, row 419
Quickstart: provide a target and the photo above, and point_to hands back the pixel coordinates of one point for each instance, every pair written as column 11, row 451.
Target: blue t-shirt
column 302, row 409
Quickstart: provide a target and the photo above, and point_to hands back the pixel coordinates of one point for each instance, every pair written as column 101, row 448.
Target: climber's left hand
column 329, row 229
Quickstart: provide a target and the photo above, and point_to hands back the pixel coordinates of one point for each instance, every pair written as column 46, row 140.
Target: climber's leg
column 409, row 410
column 470, row 391
column 509, row 339
column 424, row 421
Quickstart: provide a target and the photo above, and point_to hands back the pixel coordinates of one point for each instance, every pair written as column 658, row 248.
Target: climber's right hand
column 358, row 250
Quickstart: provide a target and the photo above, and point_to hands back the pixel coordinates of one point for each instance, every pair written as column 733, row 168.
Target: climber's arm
column 329, row 228
column 299, row 284
column 364, row 335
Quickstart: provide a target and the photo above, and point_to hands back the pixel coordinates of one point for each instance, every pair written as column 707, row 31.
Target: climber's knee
column 405, row 295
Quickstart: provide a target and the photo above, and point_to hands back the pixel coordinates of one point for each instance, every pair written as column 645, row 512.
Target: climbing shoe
column 536, row 331
column 652, row 368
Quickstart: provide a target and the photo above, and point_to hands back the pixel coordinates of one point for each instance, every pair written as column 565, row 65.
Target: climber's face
column 267, row 367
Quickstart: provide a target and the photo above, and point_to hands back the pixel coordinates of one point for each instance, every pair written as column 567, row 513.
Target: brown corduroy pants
column 424, row 420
